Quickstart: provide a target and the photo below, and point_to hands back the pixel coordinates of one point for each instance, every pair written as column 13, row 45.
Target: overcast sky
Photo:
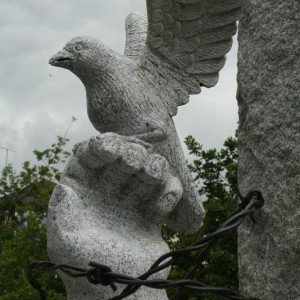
column 37, row 100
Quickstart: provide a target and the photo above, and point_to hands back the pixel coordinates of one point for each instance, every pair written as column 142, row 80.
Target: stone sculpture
column 119, row 186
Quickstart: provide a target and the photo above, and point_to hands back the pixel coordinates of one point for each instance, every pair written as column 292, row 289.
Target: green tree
column 24, row 198
column 216, row 174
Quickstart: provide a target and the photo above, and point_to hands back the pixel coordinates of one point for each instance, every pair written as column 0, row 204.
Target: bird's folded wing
column 190, row 39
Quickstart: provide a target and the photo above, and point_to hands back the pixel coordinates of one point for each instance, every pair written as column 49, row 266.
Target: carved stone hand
column 112, row 197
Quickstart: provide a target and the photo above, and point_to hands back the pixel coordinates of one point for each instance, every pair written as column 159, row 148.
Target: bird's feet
column 157, row 134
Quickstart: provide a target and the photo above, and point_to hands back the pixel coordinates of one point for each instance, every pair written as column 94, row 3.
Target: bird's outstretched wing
column 188, row 40
column 136, row 35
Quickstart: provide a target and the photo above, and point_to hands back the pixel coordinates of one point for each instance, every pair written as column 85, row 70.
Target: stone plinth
column 269, row 147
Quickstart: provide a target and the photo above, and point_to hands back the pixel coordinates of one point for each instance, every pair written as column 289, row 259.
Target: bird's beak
column 61, row 59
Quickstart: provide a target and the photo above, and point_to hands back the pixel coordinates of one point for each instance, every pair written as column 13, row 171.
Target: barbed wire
column 101, row 274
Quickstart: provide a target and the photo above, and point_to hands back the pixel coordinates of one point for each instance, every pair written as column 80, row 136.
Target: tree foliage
column 216, row 174
column 24, row 198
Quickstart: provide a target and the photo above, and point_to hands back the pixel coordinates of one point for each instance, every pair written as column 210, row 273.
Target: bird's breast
column 127, row 106
column 114, row 112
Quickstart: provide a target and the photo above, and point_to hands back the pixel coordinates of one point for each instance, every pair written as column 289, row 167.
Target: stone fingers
column 154, row 170
column 117, row 158
column 170, row 196
column 132, row 158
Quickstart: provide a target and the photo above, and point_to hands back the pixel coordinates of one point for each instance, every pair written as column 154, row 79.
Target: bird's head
column 82, row 55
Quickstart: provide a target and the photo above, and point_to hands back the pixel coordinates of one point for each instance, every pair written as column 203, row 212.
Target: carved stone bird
column 182, row 48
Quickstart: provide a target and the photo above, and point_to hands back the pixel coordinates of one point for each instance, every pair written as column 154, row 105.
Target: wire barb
column 96, row 275
column 101, row 274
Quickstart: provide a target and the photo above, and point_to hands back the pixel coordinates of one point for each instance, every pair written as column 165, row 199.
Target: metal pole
column 6, row 159
column 6, row 156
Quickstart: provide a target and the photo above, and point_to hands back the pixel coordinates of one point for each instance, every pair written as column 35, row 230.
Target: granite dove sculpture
column 169, row 56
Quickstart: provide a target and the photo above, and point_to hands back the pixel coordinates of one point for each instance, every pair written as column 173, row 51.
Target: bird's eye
column 78, row 47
